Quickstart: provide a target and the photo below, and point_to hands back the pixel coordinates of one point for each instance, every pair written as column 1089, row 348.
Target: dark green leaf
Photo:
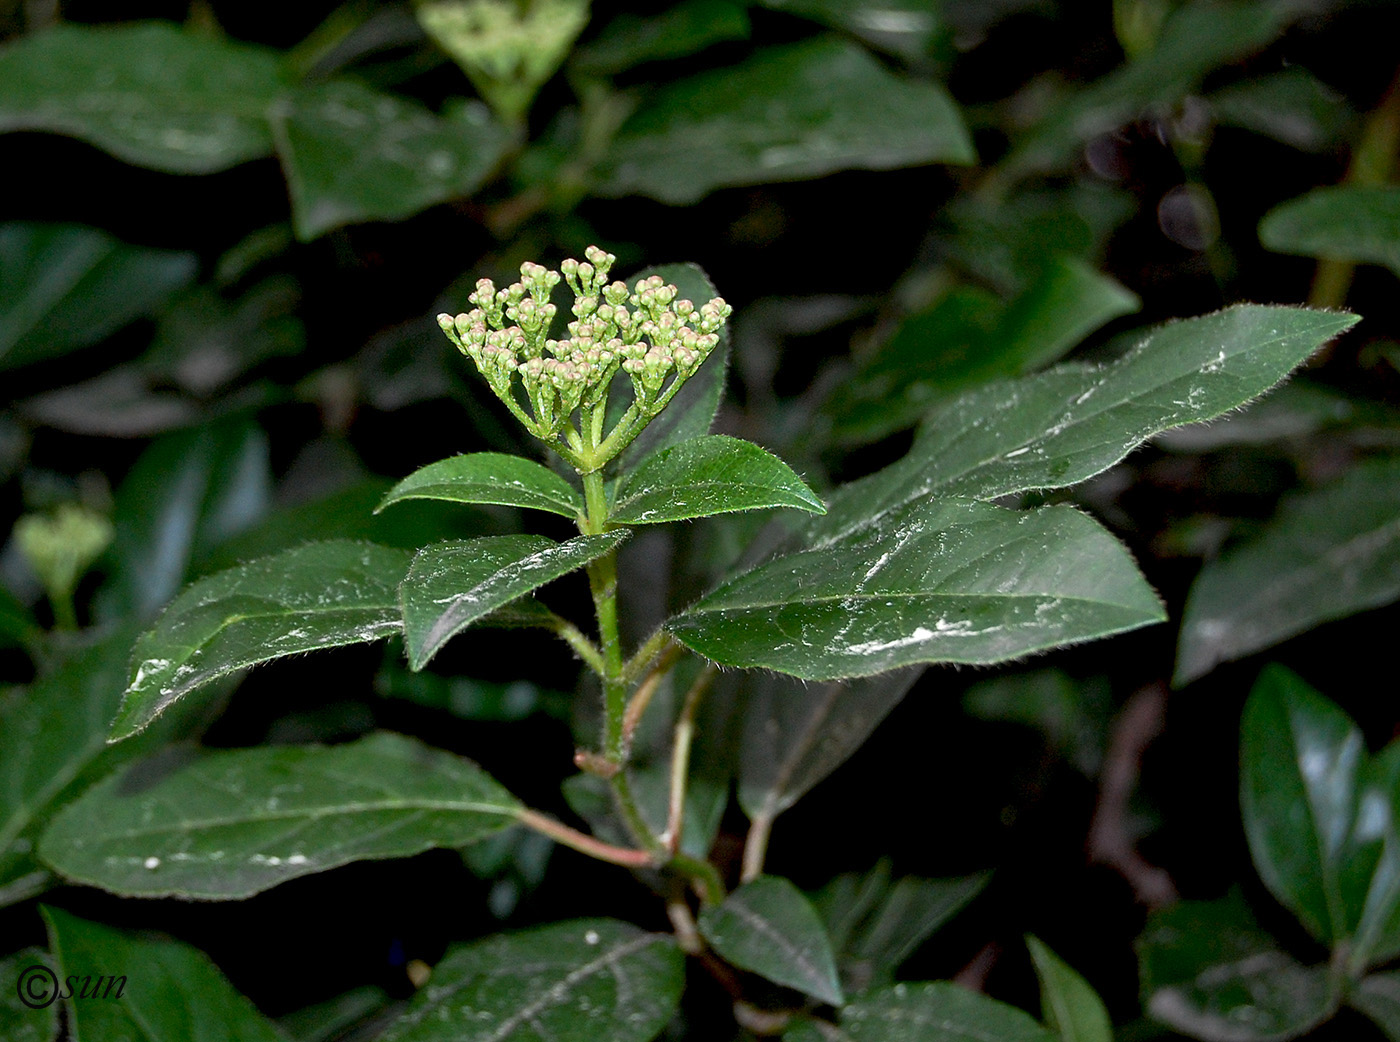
column 1378, row 996
column 330, row 1021
column 1067, row 424
column 1347, row 222
column 51, row 733
column 186, row 493
column 968, row 338
column 1196, row 39
column 1072, row 715
column 875, row 923
column 321, row 595
column 789, row 113
column 64, row 286
column 169, row 992
column 905, row 28
column 490, row 477
column 472, row 699
column 939, row 1011
column 580, row 981
column 1069, row 1005
column 146, row 92
column 17, row 625
column 946, row 580
column 793, row 736
column 27, row 985
column 768, row 927
column 693, row 409
column 354, row 154
column 1210, row 972
column 1292, row 106
column 454, row 584
column 711, row 474
column 1326, row 554
column 232, row 823
column 673, row 32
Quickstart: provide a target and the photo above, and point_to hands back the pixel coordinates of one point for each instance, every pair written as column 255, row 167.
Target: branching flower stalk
column 561, row 391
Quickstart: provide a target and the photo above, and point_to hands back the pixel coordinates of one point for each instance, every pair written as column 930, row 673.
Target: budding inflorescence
column 659, row 341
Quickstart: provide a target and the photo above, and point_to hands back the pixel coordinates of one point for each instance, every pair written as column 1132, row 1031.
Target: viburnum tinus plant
column 938, row 558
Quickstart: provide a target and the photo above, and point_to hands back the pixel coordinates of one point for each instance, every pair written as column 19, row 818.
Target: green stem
column 680, row 758
column 711, row 886
column 583, row 647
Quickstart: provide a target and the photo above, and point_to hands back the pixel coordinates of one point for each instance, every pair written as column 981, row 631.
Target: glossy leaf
column 579, row 981
column 763, row 121
column 170, row 992
column 22, row 1018
column 1210, row 972
column 147, row 92
column 1346, row 222
column 64, row 286
column 321, row 595
column 1069, row 1005
column 768, row 927
column 52, row 734
column 186, row 493
column 937, row 1011
column 1378, row 996
column 355, row 154
column 1292, row 106
column 673, row 32
column 712, row 474
column 792, row 736
column 1326, row 554
column 1067, row 424
column 905, row 28
column 693, row 409
column 970, row 338
column 875, row 923
column 454, row 584
column 490, row 477
column 938, row 580
column 1196, row 39
column 231, row 823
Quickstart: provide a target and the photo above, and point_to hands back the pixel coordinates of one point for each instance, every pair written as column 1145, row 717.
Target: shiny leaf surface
column 768, row 927
column 231, row 823
column 1326, row 554
column 789, row 113
column 454, row 584
column 355, row 154
column 147, row 92
column 490, row 477
column 712, row 474
column 579, row 981
column 946, row 580
column 320, row 595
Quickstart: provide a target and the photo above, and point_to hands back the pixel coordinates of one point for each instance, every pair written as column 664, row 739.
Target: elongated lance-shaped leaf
column 1326, row 554
column 147, row 92
column 1210, row 971
column 352, row 153
column 64, row 286
column 321, row 595
column 492, row 478
column 1067, row 424
column 150, row 989
column 712, row 474
column 232, row 823
column 937, row 1011
column 585, row 980
column 1345, row 222
column 454, row 584
column 769, row 927
column 1069, row 1005
column 947, row 580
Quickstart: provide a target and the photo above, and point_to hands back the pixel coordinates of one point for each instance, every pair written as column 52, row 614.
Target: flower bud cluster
column 659, row 341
